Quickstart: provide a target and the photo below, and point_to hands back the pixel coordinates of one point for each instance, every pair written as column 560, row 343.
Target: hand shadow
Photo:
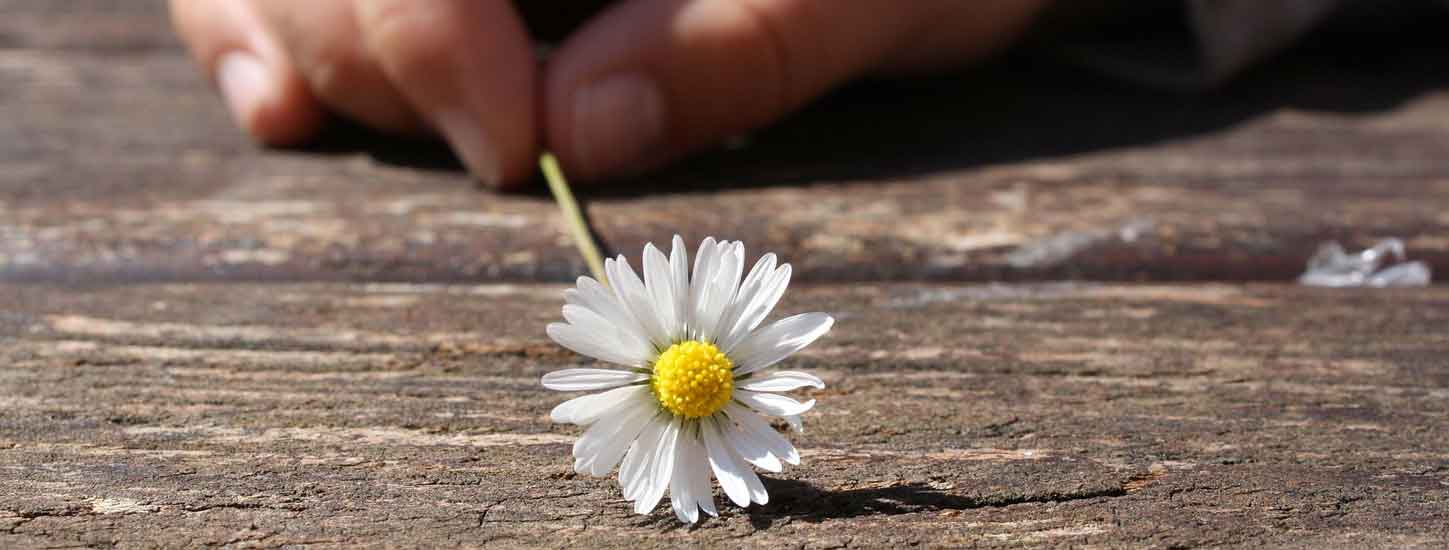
column 1022, row 107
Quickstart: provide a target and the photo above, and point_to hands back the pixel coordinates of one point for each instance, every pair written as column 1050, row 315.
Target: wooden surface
column 1058, row 414
column 205, row 343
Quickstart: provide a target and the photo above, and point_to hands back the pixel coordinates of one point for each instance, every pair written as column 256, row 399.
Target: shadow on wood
column 799, row 500
column 1025, row 107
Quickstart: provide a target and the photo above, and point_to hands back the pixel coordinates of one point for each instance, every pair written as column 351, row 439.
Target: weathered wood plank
column 997, row 415
column 116, row 162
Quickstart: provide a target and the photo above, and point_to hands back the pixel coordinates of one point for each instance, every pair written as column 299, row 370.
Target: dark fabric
column 1199, row 44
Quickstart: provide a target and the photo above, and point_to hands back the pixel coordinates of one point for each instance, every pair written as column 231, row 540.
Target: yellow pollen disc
column 693, row 379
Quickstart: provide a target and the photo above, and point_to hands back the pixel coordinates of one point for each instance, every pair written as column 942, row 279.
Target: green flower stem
column 573, row 215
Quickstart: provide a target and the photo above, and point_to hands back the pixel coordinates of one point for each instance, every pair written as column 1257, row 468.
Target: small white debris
column 1331, row 266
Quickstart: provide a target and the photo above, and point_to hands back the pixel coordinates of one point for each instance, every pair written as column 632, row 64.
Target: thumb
column 650, row 80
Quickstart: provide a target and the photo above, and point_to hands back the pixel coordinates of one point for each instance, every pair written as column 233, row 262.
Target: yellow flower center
column 693, row 379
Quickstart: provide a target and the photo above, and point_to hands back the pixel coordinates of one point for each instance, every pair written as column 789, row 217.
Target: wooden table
column 208, row 343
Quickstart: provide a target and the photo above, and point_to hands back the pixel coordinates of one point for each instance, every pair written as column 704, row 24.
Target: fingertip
column 264, row 93
column 264, row 103
column 473, row 145
column 244, row 84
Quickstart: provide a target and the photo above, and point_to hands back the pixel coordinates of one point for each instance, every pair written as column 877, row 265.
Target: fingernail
column 617, row 122
column 472, row 145
column 245, row 83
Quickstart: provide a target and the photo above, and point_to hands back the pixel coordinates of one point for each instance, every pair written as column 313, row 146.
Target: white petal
column 619, row 418
column 609, row 455
column 707, row 297
column 779, row 340
column 612, row 444
column 773, row 404
column 581, row 341
column 729, row 434
column 727, row 468
column 682, row 497
column 759, row 431
column 585, row 409
column 679, row 277
column 633, row 478
column 564, row 412
column 590, row 379
column 594, row 296
column 764, row 267
column 722, row 289
column 630, row 290
column 638, row 479
column 661, row 469
column 659, row 283
column 750, row 449
column 760, row 304
column 784, row 380
column 608, row 334
column 702, row 256
column 757, row 487
column 705, row 259
column 590, row 344
column 699, row 475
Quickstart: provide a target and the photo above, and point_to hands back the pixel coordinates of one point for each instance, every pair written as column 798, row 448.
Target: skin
column 639, row 84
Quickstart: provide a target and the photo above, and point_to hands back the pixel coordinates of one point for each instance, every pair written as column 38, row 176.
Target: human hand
column 641, row 83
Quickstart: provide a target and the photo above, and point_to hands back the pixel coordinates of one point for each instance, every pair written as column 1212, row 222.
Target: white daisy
column 691, row 395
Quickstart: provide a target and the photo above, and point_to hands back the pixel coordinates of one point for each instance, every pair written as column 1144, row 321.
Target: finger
column 324, row 41
column 266, row 95
column 649, row 80
column 467, row 67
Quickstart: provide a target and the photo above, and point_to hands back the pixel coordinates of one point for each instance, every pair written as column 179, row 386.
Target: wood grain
column 206, row 343
column 995, row 415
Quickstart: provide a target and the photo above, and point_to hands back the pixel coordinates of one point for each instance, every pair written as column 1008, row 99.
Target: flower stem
column 573, row 215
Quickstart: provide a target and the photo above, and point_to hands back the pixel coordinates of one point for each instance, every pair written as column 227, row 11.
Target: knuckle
column 333, row 68
column 778, row 55
column 410, row 37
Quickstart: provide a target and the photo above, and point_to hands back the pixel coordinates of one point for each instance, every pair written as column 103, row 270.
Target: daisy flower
column 691, row 392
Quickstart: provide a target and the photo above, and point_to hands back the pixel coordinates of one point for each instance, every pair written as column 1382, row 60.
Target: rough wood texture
column 1063, row 415
column 275, row 372
column 118, row 163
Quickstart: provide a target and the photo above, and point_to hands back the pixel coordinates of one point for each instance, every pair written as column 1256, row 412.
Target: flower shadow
column 798, row 500
column 794, row 500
